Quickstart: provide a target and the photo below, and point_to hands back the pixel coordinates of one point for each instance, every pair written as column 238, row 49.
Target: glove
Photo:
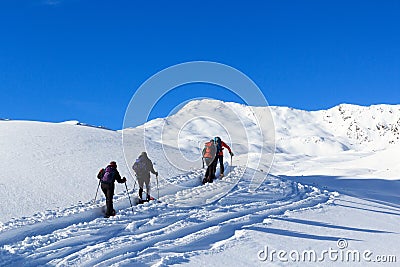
column 231, row 154
column 157, row 174
column 123, row 180
column 100, row 174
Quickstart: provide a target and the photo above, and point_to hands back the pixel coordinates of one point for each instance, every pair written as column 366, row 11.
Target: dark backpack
column 218, row 144
column 140, row 166
column 109, row 175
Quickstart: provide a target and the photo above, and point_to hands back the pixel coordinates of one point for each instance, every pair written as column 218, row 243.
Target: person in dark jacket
column 220, row 155
column 107, row 177
column 142, row 167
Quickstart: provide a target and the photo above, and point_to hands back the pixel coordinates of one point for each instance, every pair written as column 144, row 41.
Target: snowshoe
column 207, row 180
column 112, row 214
column 141, row 201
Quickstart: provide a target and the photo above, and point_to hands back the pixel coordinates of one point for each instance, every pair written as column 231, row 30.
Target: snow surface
column 334, row 176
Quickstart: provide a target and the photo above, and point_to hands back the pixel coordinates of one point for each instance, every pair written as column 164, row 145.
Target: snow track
column 191, row 220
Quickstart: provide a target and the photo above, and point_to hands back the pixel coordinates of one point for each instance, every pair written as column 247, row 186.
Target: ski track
column 190, row 220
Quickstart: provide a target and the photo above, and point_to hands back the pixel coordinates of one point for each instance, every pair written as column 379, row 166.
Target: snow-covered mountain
column 290, row 133
column 324, row 166
column 346, row 126
column 340, row 128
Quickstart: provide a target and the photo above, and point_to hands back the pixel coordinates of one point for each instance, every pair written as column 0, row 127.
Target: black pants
column 210, row 172
column 219, row 158
column 108, row 190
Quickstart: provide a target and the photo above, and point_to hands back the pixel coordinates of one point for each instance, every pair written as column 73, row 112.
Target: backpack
column 140, row 166
column 209, row 152
column 108, row 176
column 218, row 144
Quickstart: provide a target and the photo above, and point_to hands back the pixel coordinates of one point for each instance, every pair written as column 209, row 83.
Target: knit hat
column 113, row 163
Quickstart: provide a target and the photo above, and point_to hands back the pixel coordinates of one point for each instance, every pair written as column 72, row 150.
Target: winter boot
column 107, row 215
column 148, row 197
column 221, row 171
column 140, row 192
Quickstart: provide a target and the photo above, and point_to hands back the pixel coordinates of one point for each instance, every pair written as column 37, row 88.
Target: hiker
column 142, row 167
column 107, row 178
column 220, row 155
column 209, row 156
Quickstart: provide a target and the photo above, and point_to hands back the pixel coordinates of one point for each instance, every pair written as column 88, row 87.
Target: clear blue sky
column 84, row 59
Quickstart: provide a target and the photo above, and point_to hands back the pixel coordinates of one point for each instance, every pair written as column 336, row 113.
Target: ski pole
column 97, row 191
column 158, row 190
column 202, row 160
column 128, row 196
column 231, row 162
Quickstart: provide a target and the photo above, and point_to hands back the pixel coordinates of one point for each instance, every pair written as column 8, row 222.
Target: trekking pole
column 128, row 196
column 97, row 191
column 231, row 162
column 158, row 190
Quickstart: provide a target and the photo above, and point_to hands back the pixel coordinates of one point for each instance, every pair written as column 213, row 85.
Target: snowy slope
column 50, row 165
column 151, row 232
column 47, row 165
column 48, row 184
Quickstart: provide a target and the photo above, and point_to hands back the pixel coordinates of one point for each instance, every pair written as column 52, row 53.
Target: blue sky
column 84, row 59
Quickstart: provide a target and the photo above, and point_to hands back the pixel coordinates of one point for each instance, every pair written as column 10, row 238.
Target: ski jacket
column 221, row 153
column 147, row 168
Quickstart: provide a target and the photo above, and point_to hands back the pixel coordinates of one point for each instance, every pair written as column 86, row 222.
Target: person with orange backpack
column 220, row 155
column 209, row 157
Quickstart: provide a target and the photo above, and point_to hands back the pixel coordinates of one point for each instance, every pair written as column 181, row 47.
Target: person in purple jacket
column 107, row 177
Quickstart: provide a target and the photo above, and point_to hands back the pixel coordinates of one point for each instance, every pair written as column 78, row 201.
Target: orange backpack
column 209, row 150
